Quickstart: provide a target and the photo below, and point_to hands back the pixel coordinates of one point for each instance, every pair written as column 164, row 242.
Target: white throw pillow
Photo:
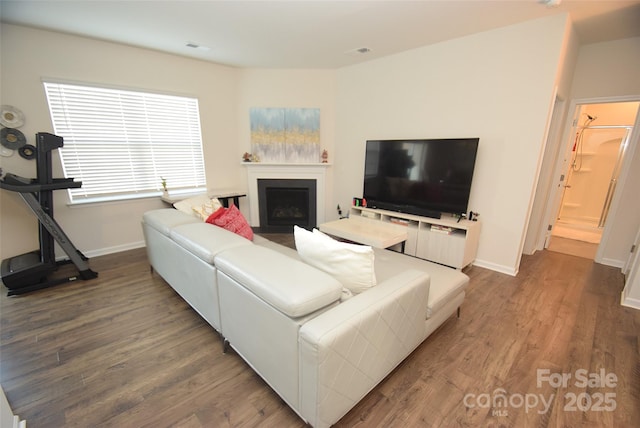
column 351, row 264
column 186, row 205
column 198, row 206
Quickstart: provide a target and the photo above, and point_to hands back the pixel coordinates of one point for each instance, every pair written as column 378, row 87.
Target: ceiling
column 303, row 33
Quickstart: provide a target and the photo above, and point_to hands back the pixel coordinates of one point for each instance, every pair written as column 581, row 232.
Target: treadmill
column 31, row 271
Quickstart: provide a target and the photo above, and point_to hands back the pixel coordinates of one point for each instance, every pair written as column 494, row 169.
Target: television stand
column 444, row 240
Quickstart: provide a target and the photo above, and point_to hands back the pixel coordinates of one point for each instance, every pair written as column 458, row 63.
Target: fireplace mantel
column 310, row 171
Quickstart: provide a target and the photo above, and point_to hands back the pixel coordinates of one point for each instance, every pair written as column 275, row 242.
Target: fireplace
column 284, row 203
column 316, row 172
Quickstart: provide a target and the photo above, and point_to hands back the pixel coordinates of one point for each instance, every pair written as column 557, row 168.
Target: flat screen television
column 423, row 177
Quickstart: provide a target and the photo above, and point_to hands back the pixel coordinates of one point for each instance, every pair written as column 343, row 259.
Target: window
column 122, row 144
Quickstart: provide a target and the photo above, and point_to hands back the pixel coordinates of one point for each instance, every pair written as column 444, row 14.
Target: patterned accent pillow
column 186, row 205
column 206, row 209
column 232, row 220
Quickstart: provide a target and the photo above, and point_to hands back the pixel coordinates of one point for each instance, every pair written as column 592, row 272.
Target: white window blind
column 121, row 144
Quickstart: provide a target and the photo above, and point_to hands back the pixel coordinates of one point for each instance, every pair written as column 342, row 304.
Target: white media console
column 444, row 240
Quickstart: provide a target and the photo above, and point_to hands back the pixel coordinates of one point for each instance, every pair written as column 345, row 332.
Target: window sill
column 171, row 196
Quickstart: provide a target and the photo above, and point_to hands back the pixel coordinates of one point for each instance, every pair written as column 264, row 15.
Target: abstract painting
column 285, row 135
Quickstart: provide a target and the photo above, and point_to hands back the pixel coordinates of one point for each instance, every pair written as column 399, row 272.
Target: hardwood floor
column 573, row 247
column 124, row 350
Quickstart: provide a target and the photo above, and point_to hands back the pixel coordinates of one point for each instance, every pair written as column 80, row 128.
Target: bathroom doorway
column 598, row 145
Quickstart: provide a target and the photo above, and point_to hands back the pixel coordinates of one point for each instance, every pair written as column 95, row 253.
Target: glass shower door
column 596, row 162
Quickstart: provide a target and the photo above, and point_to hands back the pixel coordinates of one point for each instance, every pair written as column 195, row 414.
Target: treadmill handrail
column 15, row 183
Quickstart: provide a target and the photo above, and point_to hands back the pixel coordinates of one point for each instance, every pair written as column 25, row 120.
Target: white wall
column 28, row 55
column 497, row 85
column 553, row 145
column 607, row 69
column 288, row 88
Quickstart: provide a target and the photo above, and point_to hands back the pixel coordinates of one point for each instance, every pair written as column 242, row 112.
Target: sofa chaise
column 296, row 325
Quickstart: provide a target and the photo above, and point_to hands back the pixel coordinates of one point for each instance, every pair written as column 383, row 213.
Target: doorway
column 596, row 149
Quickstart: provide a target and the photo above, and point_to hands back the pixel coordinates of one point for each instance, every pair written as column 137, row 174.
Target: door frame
column 561, row 171
column 631, row 271
column 562, row 161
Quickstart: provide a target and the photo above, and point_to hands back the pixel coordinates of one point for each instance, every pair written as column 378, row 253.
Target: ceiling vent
column 358, row 51
column 197, row 46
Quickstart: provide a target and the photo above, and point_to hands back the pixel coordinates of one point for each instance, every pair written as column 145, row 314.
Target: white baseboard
column 629, row 302
column 116, row 249
column 496, row 267
column 611, row 262
column 108, row 250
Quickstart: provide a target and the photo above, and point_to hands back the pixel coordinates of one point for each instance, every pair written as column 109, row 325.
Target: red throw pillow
column 217, row 213
column 232, row 220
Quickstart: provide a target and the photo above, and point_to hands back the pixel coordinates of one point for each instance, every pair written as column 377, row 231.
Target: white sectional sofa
column 320, row 352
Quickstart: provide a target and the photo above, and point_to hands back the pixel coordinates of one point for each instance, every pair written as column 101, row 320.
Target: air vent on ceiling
column 197, row 46
column 358, row 51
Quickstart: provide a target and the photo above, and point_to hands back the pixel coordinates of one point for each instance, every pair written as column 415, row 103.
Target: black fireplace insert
column 284, row 203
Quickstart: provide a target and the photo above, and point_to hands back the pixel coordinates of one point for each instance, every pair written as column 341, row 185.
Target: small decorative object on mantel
column 246, row 157
column 325, row 156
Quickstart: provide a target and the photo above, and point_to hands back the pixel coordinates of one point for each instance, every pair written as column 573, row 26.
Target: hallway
column 575, row 240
